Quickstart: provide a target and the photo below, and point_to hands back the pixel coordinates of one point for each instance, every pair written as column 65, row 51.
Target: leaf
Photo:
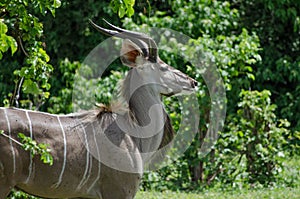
column 251, row 76
column 21, row 135
column 3, row 28
column 30, row 87
column 25, row 2
column 123, row 7
column 3, row 43
column 6, row 41
column 47, row 158
column 36, row 149
column 57, row 3
column 129, row 7
column 122, row 11
column 130, row 11
column 129, row 2
column 249, row 68
column 13, row 44
column 43, row 53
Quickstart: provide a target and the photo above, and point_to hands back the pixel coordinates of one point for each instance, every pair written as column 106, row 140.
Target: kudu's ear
column 131, row 54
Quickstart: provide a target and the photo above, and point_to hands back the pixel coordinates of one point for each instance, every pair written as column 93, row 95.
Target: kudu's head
column 140, row 53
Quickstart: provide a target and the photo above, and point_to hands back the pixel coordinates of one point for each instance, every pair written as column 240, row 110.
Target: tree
column 277, row 24
column 22, row 29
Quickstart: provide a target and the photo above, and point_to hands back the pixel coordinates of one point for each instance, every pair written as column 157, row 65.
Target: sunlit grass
column 290, row 189
column 277, row 193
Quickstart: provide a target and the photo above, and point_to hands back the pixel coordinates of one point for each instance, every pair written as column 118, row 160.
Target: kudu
column 76, row 173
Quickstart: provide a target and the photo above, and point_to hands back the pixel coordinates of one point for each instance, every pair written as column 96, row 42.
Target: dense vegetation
column 254, row 44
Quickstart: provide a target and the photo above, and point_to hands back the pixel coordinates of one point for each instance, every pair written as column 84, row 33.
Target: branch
column 16, row 96
column 33, row 147
column 22, row 47
column 12, row 139
column 212, row 177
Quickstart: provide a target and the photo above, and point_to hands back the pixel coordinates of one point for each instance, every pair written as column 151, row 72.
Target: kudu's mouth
column 193, row 87
column 186, row 90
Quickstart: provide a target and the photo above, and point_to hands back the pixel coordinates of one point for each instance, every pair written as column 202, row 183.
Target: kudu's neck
column 147, row 109
column 143, row 99
column 145, row 105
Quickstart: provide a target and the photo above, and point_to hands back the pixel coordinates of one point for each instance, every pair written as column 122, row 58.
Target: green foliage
column 108, row 87
column 6, row 41
column 251, row 149
column 33, row 69
column 36, row 149
column 123, row 7
column 277, row 23
column 76, row 37
column 101, row 89
column 62, row 101
column 33, row 147
column 249, row 153
column 20, row 194
column 195, row 18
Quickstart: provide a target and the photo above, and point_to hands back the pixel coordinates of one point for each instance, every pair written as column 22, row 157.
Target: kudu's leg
column 6, row 184
column 119, row 185
column 5, row 189
column 8, row 178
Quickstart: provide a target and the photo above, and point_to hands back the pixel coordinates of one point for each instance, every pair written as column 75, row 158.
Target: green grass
column 277, row 193
column 291, row 174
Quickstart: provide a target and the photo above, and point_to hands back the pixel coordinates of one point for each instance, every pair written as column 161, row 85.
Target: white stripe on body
column 85, row 178
column 90, row 170
column 31, row 136
column 98, row 158
column 42, row 113
column 1, row 170
column 65, row 155
column 10, row 141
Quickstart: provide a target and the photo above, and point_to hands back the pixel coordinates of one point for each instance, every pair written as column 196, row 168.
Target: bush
column 249, row 152
column 252, row 147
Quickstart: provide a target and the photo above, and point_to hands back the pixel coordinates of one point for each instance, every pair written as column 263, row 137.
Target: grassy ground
column 278, row 193
column 291, row 173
